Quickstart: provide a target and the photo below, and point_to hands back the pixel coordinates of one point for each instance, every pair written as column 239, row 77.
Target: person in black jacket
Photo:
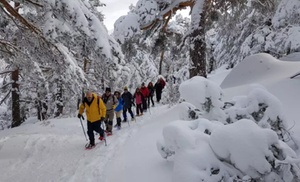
column 127, row 104
column 151, row 94
column 158, row 89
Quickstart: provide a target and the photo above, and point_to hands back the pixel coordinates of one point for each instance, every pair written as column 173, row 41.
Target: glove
column 102, row 118
column 79, row 116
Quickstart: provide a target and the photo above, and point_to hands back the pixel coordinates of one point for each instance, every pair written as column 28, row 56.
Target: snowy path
column 54, row 151
column 139, row 158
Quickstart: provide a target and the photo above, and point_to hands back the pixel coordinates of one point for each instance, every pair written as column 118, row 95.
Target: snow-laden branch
column 15, row 14
column 6, row 71
column 171, row 9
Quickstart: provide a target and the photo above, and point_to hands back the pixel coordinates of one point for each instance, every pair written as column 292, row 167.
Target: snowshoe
column 101, row 138
column 89, row 146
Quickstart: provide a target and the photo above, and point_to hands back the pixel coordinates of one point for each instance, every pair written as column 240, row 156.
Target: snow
column 165, row 144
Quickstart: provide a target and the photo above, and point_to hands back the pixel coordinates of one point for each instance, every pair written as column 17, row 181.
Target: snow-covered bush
column 240, row 140
column 259, row 106
column 242, row 151
column 205, row 95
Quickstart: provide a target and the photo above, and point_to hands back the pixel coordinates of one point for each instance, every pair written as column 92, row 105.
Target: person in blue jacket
column 119, row 109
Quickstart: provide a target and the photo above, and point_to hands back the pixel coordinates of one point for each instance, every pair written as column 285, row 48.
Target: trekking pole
column 149, row 107
column 83, row 128
column 104, row 134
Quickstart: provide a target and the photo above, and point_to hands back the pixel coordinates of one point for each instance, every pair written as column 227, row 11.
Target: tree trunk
column 161, row 60
column 15, row 97
column 198, row 46
column 16, row 118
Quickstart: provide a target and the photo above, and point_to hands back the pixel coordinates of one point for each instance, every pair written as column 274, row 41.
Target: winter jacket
column 138, row 98
column 144, row 91
column 127, row 99
column 158, row 87
column 95, row 109
column 151, row 90
column 110, row 101
column 120, row 105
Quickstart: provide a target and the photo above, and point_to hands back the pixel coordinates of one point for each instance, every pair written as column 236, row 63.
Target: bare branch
column 3, row 86
column 34, row 3
column 6, row 96
column 7, row 46
column 295, row 75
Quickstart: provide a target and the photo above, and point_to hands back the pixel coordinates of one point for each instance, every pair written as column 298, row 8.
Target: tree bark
column 16, row 118
column 198, row 46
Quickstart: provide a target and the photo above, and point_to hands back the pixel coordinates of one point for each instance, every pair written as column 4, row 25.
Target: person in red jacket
column 138, row 101
column 144, row 90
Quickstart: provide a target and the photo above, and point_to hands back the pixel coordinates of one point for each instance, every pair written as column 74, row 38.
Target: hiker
column 159, row 86
column 151, row 94
column 139, row 101
column 144, row 90
column 118, row 109
column 110, row 102
column 95, row 112
column 127, row 104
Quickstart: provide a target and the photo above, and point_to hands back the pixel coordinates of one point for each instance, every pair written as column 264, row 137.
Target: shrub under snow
column 240, row 140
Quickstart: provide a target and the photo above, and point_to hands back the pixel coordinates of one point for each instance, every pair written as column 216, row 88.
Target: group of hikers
column 103, row 108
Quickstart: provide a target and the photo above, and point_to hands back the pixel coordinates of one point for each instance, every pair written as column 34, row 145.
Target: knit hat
column 107, row 89
column 125, row 88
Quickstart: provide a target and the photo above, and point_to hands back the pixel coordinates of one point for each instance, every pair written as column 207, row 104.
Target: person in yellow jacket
column 95, row 111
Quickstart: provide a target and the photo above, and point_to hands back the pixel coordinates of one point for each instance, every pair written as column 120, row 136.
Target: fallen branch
column 297, row 74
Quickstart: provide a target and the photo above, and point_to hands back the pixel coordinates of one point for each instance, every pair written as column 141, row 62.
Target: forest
column 51, row 51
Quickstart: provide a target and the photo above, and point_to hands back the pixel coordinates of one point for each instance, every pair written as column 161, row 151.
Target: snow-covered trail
column 54, row 151
column 139, row 158
column 51, row 153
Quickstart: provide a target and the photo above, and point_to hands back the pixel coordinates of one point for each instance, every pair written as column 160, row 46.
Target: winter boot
column 90, row 146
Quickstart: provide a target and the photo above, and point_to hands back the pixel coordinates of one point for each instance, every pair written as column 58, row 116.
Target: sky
column 165, row 144
column 114, row 9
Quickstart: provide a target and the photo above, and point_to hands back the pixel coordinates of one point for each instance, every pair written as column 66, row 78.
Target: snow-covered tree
column 68, row 50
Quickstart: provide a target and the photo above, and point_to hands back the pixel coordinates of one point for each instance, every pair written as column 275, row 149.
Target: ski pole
column 83, row 129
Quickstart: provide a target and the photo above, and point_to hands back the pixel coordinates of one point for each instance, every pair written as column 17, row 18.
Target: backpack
column 105, row 100
column 163, row 83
